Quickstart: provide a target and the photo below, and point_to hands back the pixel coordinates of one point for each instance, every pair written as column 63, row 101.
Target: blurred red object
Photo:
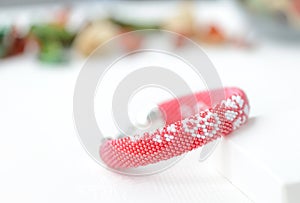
column 14, row 42
column 213, row 35
column 296, row 4
column 131, row 42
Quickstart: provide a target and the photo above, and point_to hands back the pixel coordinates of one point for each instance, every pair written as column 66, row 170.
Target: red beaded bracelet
column 179, row 136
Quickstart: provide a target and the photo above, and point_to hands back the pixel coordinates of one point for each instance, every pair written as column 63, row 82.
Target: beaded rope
column 179, row 136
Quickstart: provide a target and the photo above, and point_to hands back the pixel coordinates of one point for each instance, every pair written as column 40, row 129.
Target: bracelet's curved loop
column 179, row 136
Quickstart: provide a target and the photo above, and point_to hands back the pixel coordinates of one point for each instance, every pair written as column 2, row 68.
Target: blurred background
column 53, row 29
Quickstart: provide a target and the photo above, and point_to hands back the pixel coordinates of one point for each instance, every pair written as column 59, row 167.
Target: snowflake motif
column 135, row 137
column 230, row 103
column 230, row 115
column 169, row 137
column 243, row 112
column 239, row 115
column 240, row 121
column 193, row 125
column 234, row 102
column 171, row 128
column 157, row 138
column 238, row 99
column 246, row 110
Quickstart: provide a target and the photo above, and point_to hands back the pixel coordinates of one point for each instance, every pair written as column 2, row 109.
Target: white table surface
column 43, row 160
column 263, row 157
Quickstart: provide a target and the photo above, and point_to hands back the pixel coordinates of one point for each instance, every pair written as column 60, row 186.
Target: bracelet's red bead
column 179, row 137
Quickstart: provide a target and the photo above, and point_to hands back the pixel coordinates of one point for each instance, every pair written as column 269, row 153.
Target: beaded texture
column 181, row 136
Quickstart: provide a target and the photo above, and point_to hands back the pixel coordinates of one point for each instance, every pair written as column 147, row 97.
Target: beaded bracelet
column 179, row 136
